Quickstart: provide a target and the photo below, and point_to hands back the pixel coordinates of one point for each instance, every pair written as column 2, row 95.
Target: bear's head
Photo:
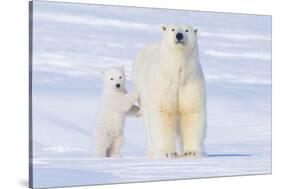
column 114, row 79
column 179, row 37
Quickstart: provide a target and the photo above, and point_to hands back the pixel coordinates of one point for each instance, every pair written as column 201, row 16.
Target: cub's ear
column 101, row 71
column 196, row 31
column 164, row 27
column 122, row 67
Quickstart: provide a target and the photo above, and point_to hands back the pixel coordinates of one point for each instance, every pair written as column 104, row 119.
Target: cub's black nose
column 179, row 36
column 118, row 85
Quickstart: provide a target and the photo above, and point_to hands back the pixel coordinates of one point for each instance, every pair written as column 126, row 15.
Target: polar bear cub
column 115, row 103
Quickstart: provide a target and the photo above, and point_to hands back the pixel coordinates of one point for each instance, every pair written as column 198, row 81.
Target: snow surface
column 72, row 43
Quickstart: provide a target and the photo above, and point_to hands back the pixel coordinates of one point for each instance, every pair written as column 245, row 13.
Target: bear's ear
column 196, row 31
column 163, row 27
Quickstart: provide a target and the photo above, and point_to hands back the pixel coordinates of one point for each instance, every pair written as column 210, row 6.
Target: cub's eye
column 173, row 29
column 111, row 78
column 120, row 77
column 186, row 30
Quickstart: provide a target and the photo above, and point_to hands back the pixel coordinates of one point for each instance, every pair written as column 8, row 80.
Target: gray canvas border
column 30, row 133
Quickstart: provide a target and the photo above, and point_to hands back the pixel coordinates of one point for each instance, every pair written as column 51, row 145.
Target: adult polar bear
column 172, row 93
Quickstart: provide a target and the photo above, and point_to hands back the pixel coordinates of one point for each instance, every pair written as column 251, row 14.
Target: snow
column 242, row 55
column 73, row 43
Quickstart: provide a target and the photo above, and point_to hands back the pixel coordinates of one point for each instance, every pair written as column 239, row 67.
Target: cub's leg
column 102, row 142
column 114, row 150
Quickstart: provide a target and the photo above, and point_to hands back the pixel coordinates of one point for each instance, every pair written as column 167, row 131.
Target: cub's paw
column 172, row 155
column 135, row 94
column 138, row 113
column 115, row 155
column 191, row 154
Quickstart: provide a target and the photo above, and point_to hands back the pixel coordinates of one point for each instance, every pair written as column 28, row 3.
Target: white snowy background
column 73, row 42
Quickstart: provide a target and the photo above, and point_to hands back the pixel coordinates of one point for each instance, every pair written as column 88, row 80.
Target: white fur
column 114, row 105
column 172, row 93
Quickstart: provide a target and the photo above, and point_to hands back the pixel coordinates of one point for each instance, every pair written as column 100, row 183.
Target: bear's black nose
column 179, row 36
column 118, row 85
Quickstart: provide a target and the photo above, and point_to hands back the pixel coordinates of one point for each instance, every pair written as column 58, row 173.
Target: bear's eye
column 173, row 29
column 120, row 77
column 186, row 30
column 111, row 78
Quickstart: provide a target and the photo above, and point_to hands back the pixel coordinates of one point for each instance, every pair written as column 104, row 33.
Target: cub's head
column 178, row 36
column 114, row 79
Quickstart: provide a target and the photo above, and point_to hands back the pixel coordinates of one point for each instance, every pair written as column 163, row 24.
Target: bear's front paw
column 192, row 154
column 172, row 155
